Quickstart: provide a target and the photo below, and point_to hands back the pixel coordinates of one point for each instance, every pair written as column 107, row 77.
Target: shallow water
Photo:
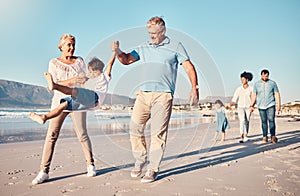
column 15, row 126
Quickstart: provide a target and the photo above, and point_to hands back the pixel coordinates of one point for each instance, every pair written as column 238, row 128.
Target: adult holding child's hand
column 66, row 70
column 115, row 46
column 159, row 60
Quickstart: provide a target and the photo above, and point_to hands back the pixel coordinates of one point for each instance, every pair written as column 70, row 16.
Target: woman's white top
column 243, row 96
column 61, row 71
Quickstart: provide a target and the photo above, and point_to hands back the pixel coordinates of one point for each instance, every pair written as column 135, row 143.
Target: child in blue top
column 222, row 123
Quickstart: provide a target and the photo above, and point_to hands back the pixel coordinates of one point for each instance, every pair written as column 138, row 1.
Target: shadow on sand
column 250, row 148
column 254, row 146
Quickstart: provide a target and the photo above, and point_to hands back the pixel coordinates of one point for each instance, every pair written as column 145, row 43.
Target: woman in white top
column 80, row 99
column 242, row 97
column 64, row 71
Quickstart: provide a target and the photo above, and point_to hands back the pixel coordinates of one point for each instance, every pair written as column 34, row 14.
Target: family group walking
column 266, row 95
column 87, row 86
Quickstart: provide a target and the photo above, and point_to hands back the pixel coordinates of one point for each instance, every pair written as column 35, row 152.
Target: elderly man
column 266, row 95
column 160, row 59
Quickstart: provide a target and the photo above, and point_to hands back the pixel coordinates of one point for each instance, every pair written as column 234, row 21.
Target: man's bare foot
column 49, row 79
column 37, row 118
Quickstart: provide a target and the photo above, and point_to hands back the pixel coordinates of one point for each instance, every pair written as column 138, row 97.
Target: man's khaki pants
column 158, row 107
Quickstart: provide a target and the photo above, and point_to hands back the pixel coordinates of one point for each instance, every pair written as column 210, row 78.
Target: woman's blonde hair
column 63, row 38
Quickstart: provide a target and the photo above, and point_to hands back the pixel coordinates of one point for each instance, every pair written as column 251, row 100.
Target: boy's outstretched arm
column 110, row 63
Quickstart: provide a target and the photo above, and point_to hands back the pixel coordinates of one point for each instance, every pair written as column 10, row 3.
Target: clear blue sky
column 239, row 35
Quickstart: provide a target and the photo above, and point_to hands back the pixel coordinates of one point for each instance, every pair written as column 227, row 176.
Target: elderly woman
column 64, row 71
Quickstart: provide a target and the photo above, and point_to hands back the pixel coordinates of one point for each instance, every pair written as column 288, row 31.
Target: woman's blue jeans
column 267, row 117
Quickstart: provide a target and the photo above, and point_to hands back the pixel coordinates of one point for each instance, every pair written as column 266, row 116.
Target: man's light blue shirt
column 265, row 93
column 160, row 64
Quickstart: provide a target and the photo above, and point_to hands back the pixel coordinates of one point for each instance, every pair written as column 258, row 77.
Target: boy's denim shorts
column 86, row 99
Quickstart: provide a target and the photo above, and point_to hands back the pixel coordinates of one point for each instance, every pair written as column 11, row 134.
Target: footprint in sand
column 293, row 176
column 273, row 185
column 119, row 192
column 294, row 167
column 270, row 151
column 106, row 184
column 115, row 187
column 211, row 192
column 269, row 176
column 142, row 190
column 268, row 168
column 57, row 167
column 15, row 171
column 229, row 188
column 70, row 187
column 66, row 191
column 213, row 179
column 229, row 163
column 107, row 177
column 32, row 156
column 288, row 193
column 208, row 190
column 169, row 179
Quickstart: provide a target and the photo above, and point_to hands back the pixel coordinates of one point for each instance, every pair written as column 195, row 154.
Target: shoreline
column 108, row 123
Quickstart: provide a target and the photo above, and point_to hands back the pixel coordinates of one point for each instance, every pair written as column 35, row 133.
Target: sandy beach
column 193, row 165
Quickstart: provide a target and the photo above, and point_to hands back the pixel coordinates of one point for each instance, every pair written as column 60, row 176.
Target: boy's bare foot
column 37, row 118
column 49, row 79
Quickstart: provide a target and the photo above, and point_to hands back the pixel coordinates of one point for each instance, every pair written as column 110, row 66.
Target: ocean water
column 15, row 126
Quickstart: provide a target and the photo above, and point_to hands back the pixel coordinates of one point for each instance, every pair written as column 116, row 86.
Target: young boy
column 85, row 98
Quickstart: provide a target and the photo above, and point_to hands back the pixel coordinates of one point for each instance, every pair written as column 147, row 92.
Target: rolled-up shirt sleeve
column 135, row 55
column 182, row 55
column 276, row 90
column 255, row 88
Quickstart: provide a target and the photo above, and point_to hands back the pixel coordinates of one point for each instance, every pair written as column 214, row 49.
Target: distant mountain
column 19, row 95
column 112, row 99
column 212, row 99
